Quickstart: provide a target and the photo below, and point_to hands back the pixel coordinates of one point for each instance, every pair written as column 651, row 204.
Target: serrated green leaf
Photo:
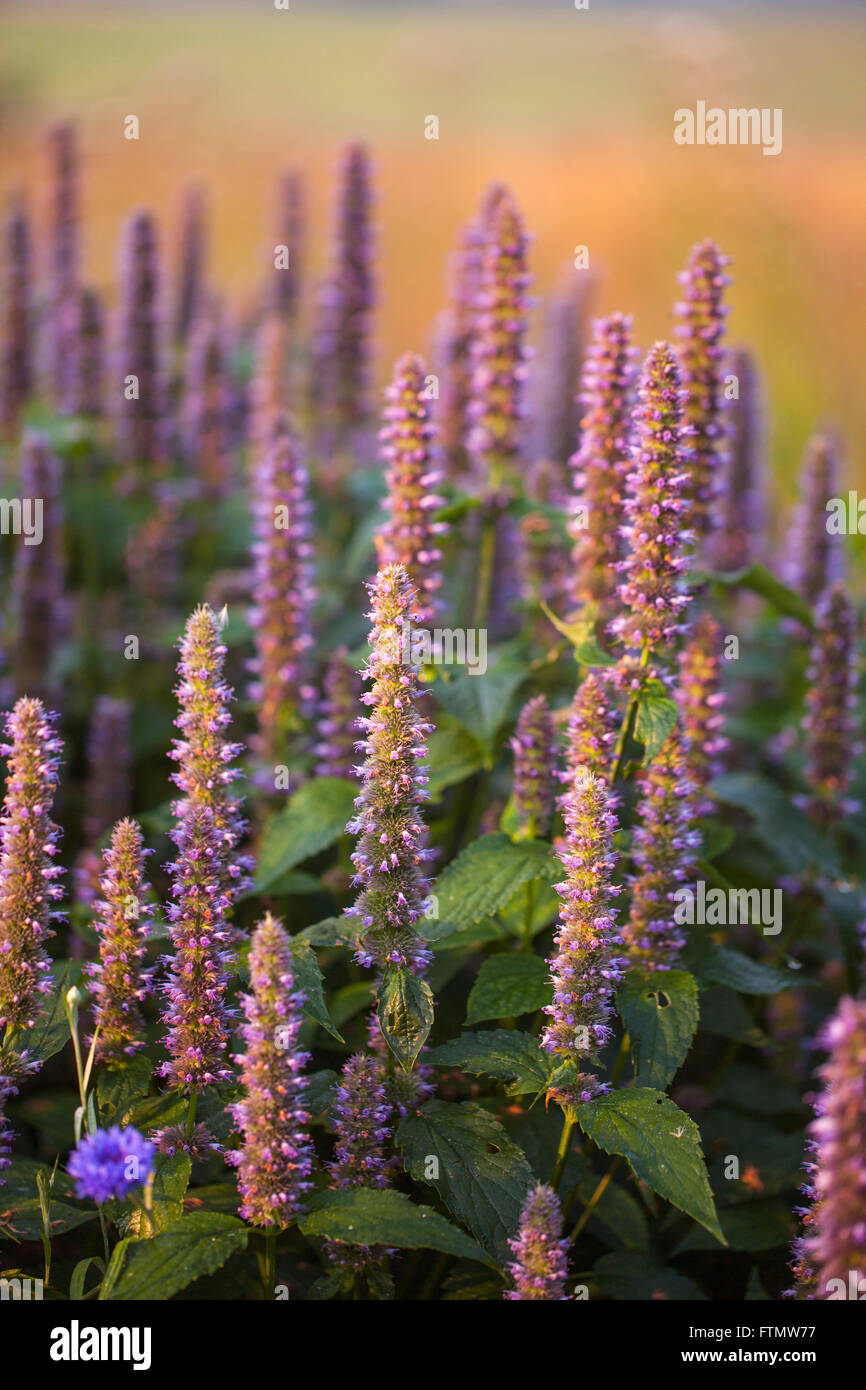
column 156, row 1269
column 50, row 1034
column 779, row 825
column 632, row 1277
column 661, row 1145
column 480, row 1174
column 314, row 817
column 656, row 717
column 487, row 875
column 172, row 1173
column 455, row 754
column 508, row 985
column 481, row 702
column 713, row 964
column 505, row 1054
column 660, row 1011
column 308, row 979
column 379, row 1216
column 405, row 1014
column 118, row 1090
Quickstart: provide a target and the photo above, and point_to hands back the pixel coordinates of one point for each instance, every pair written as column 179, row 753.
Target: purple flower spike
column 499, row 353
column 39, row 607
column 85, row 365
column 739, row 518
column 814, row 557
column 534, row 748
column 191, row 266
column 111, row 1163
column 63, row 252
column 206, row 409
column 362, row 1114
column 392, row 845
column 700, row 700
column 540, row 1254
column 16, row 338
column 284, row 283
column 664, row 849
column 138, row 388
column 831, row 701
column 337, row 714
column 269, row 388
column 119, row 981
column 655, row 507
column 587, row 966
column 409, row 537
column 108, row 792
column 592, row 729
column 700, row 317
column 566, row 330
column 603, row 461
column 276, row 1157
column 8, row 1090
column 284, row 595
column 28, row 846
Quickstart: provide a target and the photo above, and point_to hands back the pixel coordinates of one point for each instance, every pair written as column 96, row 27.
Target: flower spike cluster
column 558, row 378
column 540, row 1254
column 16, row 338
column 392, row 846
column 700, row 316
column 700, row 701
column 654, row 507
column 831, row 700
column 38, row 601
column 337, row 715
column 740, row 506
column 28, row 872
column 85, row 366
column 814, row 557
column 362, row 1114
column 140, row 408
column 283, row 290
column 191, row 266
column 63, row 251
column 587, row 966
column 592, row 728
column 534, row 748
column 275, row 1160
column 119, row 981
column 206, row 409
column 409, row 535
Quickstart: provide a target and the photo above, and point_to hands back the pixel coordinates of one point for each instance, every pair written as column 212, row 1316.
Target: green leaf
column 759, row 580
column 660, row 1011
column 308, row 978
column 505, row 1054
column 24, row 1220
column 636, row 1278
column 750, row 1226
column 380, row 1216
column 508, row 985
column 314, row 817
column 720, row 965
column 169, row 1186
column 455, row 754
column 156, row 1269
column 118, row 1090
column 581, row 633
column 481, row 1175
column 405, row 1014
column 51, row 1031
column 779, row 825
column 656, row 717
column 661, row 1144
column 79, row 1275
column 487, row 875
column 482, row 702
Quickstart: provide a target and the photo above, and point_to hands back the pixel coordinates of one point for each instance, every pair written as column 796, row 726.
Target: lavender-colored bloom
column 406, row 1090
column 587, row 967
column 362, row 1120
column 700, row 700
column 38, row 603
column 602, row 464
column 700, row 326
column 739, row 511
column 284, row 284
column 814, row 557
column 8, row 1090
column 205, row 409
column 592, row 728
column 111, row 1163
column 499, row 352
column 108, row 791
column 16, row 341
column 84, row 369
column 337, row 715
column 540, row 1254
column 392, row 845
column 63, row 257
column 654, row 509
column 269, row 388
column 409, row 536
column 835, row 1240
column 140, row 405
column 284, row 594
column 119, row 981
column 664, row 848
column 275, row 1160
column 831, row 700
column 341, row 350
column 191, row 263
column 28, row 873
column 173, row 1139
column 534, row 748
column 559, row 368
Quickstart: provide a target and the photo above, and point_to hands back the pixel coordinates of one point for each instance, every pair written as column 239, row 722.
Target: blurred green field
column 574, row 109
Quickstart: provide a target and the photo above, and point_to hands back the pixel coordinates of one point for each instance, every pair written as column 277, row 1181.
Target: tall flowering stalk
column 540, row 1262
column 284, row 593
column 205, row 409
column 534, row 748
column 392, row 838
column 269, row 388
column 587, row 966
column 337, row 715
column 191, row 263
column 63, row 253
column 700, row 326
column 700, row 700
column 28, row 872
column 664, row 848
column 119, row 981
column 275, row 1159
column 602, row 463
column 561, row 358
column 362, row 1120
column 341, row 350
column 139, row 387
column 409, row 536
column 85, row 366
column 37, row 600
column 284, row 282
column 814, row 558
column 108, row 789
column 831, row 700
column 740, row 505
column 592, row 724
column 16, row 340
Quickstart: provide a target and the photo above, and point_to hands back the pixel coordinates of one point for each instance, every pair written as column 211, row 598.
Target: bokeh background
column 573, row 108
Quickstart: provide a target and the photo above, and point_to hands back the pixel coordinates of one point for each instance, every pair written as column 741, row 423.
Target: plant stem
column 624, row 1050
column 628, row 723
column 269, row 1276
column 595, row 1199
column 190, row 1114
column 568, row 1123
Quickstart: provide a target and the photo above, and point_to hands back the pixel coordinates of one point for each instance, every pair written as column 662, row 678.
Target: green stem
column 568, row 1123
column 628, row 723
column 104, row 1231
column 190, row 1114
column 270, row 1267
column 624, row 1050
column 595, row 1199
